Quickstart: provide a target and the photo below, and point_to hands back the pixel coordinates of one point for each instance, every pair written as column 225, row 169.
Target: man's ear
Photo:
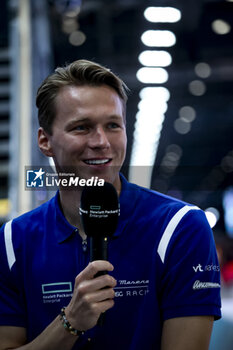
column 44, row 142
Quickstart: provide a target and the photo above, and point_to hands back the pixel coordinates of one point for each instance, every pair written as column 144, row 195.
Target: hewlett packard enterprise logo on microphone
column 41, row 179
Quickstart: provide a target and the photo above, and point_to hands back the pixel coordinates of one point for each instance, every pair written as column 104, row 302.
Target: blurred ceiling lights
column 221, row 27
column 153, row 104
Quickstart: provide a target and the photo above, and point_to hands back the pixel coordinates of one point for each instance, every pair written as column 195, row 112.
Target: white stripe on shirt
column 167, row 235
column 9, row 245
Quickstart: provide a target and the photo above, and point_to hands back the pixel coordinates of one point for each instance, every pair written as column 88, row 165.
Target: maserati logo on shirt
column 129, row 288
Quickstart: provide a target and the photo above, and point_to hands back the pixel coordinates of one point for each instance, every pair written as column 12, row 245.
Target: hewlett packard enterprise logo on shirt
column 38, row 178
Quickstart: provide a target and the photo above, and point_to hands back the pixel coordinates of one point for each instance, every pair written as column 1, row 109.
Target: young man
column 162, row 290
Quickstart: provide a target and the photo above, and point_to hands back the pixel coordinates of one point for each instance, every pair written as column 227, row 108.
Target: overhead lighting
column 77, row 38
column 221, row 27
column 162, row 14
column 156, row 38
column 171, row 158
column 153, row 104
column 152, row 107
column 152, row 75
column 69, row 25
column 181, row 126
column 143, row 152
column 187, row 114
column 203, row 70
column 155, row 58
column 197, row 88
column 147, row 134
column 174, row 149
column 74, row 12
column 212, row 215
column 145, row 121
column 228, row 210
column 146, row 137
column 155, row 92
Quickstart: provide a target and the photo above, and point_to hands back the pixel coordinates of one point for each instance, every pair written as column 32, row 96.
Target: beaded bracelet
column 67, row 325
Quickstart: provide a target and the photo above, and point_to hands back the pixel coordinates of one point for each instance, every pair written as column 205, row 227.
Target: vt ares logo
column 208, row 268
column 35, row 178
column 198, row 268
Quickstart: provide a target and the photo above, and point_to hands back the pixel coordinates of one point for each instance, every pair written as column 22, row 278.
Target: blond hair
column 78, row 73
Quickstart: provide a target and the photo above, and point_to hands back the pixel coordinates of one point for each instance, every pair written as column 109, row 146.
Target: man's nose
column 99, row 139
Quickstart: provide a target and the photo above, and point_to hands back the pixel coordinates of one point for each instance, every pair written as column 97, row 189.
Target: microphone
column 99, row 211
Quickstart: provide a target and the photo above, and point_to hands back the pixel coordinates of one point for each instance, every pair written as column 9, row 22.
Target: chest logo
column 127, row 288
column 56, row 292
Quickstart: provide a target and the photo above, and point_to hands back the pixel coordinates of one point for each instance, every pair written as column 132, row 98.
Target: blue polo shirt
column 165, row 265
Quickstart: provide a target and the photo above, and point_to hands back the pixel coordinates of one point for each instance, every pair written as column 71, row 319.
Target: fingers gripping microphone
column 99, row 212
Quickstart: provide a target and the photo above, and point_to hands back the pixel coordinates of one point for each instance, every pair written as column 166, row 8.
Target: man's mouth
column 97, row 161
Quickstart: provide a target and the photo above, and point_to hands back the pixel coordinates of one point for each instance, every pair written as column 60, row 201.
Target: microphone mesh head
column 99, row 210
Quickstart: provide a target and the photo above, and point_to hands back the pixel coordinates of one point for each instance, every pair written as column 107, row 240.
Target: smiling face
column 88, row 132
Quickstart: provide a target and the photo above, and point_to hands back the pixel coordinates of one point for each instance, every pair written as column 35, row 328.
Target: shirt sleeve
column 191, row 274
column 11, row 294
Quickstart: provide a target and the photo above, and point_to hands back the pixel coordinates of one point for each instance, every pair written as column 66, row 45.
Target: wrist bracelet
column 67, row 325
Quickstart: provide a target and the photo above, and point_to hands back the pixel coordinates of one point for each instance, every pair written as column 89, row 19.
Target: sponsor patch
column 205, row 285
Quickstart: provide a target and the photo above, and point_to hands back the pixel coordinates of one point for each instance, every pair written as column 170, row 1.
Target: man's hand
column 91, row 296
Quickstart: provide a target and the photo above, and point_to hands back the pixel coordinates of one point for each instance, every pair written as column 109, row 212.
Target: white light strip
column 153, row 104
column 155, row 92
column 162, row 38
column 155, row 58
column 147, row 132
column 152, row 75
column 162, row 14
column 152, row 107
